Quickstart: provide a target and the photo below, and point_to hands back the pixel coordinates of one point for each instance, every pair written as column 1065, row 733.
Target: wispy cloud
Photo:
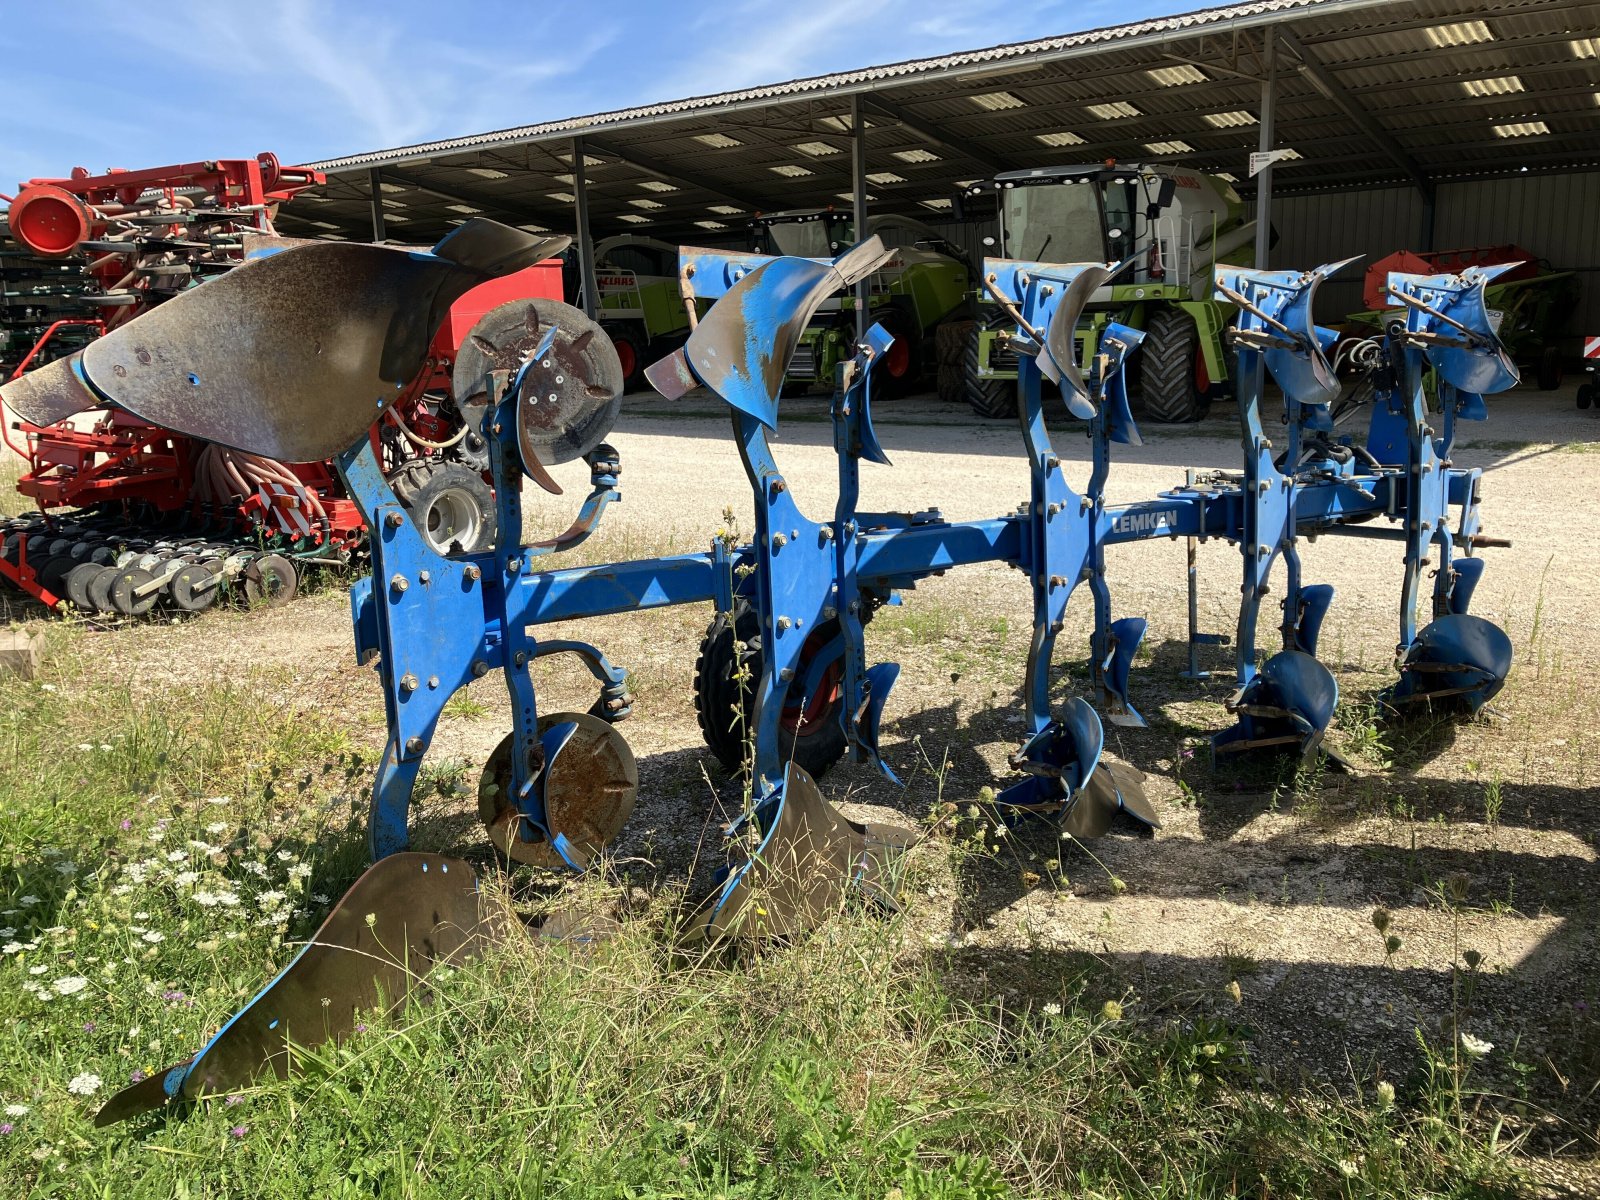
column 318, row 78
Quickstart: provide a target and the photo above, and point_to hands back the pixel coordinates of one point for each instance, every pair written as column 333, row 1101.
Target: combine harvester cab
column 1170, row 226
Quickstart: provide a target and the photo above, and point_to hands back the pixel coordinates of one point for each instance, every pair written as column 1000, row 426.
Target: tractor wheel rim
column 626, row 358
column 898, row 361
column 452, row 517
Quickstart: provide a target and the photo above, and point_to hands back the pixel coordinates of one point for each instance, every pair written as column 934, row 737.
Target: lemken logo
column 1146, row 522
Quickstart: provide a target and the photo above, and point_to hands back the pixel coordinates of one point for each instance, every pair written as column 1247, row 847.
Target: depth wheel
column 809, row 732
column 452, row 506
column 589, row 793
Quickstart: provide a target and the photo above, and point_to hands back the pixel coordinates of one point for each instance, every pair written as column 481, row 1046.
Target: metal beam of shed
column 474, row 199
column 1322, row 79
column 858, row 195
column 375, row 182
column 945, row 141
column 677, row 175
column 580, row 190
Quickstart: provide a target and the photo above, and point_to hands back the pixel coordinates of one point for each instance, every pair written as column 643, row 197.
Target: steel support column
column 858, row 193
column 1269, row 95
column 580, row 191
column 375, row 181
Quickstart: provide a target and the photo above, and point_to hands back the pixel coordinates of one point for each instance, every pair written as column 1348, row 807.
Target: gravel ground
column 1249, row 881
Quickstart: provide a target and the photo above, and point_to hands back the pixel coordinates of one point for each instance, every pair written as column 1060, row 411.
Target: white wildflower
column 271, row 899
column 153, row 937
column 228, row 899
column 70, row 984
column 141, row 916
column 16, row 1110
column 104, row 747
column 217, row 827
column 86, row 1084
column 185, row 878
column 258, row 869
column 300, row 871
column 8, row 932
column 285, row 856
column 47, row 687
column 217, row 800
column 1474, row 1046
column 177, row 856
column 1052, row 1009
column 122, row 889
column 85, row 747
column 28, row 901
column 66, row 868
column 56, row 930
column 11, row 948
column 37, row 970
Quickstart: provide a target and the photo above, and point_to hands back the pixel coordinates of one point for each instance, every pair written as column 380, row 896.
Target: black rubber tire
column 185, row 590
column 951, row 384
column 995, row 399
column 1586, row 395
column 122, row 595
column 445, row 495
column 906, row 353
column 77, row 584
column 950, row 342
column 1167, row 385
column 725, row 709
column 1551, row 370
column 98, row 589
column 52, row 574
column 630, row 353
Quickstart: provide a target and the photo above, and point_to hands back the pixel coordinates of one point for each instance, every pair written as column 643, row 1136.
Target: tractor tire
column 1551, row 371
column 995, row 399
column 899, row 372
column 451, row 504
column 1586, row 395
column 811, row 736
column 952, row 383
column 950, row 341
column 630, row 353
column 1168, row 386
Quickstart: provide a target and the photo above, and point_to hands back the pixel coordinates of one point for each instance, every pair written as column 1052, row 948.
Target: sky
column 99, row 84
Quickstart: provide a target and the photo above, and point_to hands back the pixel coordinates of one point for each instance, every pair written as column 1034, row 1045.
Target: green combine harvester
column 640, row 306
column 926, row 283
column 1174, row 223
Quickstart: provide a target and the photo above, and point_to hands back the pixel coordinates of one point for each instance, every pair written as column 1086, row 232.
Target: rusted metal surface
column 49, row 394
column 810, row 859
column 406, row 915
column 588, row 794
column 295, row 355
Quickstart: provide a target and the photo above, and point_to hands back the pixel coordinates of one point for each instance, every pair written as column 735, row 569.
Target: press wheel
column 126, row 595
column 589, row 793
column 270, row 580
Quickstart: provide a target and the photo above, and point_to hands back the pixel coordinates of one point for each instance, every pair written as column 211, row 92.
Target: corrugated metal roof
column 845, row 82
column 650, row 174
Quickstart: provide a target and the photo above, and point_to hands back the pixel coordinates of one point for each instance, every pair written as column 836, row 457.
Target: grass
column 163, row 857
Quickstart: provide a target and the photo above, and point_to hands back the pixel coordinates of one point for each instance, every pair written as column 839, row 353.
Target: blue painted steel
column 434, row 623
